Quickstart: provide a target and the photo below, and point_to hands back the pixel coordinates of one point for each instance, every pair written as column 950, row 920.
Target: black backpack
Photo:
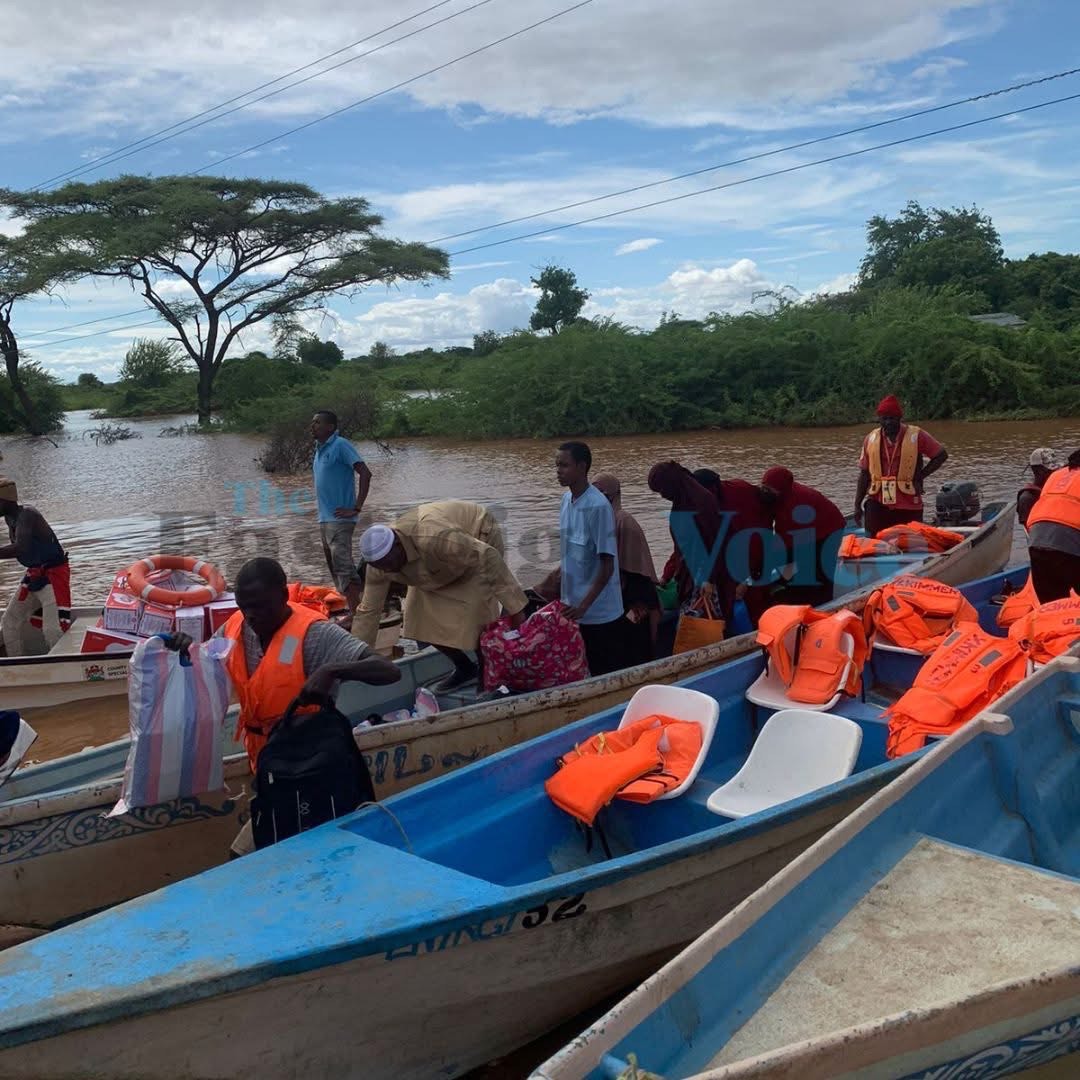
column 309, row 772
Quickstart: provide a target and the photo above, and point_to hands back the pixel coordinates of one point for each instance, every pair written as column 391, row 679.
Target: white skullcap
column 1044, row 456
column 376, row 542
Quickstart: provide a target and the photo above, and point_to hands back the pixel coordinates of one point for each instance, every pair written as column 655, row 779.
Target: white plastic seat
column 798, row 751
column 680, row 704
column 768, row 688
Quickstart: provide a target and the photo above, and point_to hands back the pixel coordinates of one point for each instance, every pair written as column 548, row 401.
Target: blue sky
column 609, row 96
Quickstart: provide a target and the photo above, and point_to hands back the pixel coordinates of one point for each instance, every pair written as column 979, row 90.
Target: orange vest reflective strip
column 1059, row 501
column 909, row 460
column 915, row 536
column 853, row 546
column 317, row 597
column 640, row 763
column 266, row 694
column 1018, row 604
column 916, row 613
column 970, row 670
column 1050, row 630
column 804, row 649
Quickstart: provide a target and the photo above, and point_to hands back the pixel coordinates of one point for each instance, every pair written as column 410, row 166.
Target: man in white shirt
column 590, row 586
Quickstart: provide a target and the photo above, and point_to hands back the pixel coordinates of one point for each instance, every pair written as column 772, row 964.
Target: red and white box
column 122, row 612
column 157, row 619
column 221, row 611
column 99, row 638
column 192, row 621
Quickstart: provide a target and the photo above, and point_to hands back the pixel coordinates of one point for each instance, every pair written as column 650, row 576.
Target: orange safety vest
column 317, row 597
column 639, row 763
column 266, row 694
column 915, row 536
column 909, row 460
column 969, row 670
column 1059, row 501
column 1050, row 630
column 916, row 613
column 1018, row 604
column 853, row 546
column 804, row 648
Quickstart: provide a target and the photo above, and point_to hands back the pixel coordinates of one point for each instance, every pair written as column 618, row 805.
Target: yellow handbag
column 698, row 626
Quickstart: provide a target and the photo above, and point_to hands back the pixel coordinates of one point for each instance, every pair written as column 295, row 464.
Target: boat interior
column 968, row 884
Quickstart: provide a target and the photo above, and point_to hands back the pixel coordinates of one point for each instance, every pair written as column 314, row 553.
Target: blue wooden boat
column 434, row 931
column 933, row 934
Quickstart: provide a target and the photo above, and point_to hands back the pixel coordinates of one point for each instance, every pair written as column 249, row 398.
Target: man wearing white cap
column 1043, row 462
column 46, row 585
column 451, row 557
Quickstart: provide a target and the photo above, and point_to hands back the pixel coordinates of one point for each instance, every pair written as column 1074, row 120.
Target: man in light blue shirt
column 590, row 586
column 337, row 467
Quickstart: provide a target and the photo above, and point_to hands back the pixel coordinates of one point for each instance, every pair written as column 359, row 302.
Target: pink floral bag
column 547, row 650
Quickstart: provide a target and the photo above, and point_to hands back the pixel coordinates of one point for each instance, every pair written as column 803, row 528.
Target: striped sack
column 177, row 716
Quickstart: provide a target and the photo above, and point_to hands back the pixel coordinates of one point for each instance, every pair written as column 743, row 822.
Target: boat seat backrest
column 797, row 751
column 679, row 703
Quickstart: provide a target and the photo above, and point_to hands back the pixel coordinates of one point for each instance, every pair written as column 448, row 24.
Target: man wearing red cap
column 896, row 460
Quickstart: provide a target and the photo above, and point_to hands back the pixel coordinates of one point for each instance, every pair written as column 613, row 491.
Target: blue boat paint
column 1008, row 796
column 377, row 899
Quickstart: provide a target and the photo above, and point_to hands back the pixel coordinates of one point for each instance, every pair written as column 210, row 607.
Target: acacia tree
column 560, row 300
column 215, row 256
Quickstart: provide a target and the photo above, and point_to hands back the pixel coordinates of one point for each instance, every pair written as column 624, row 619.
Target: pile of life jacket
column 325, row 601
column 805, row 649
column 916, row 613
column 853, row 546
column 638, row 763
column 1018, row 604
column 1049, row 630
column 917, row 537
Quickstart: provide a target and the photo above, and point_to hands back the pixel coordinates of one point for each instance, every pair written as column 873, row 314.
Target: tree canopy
column 560, row 301
column 215, row 256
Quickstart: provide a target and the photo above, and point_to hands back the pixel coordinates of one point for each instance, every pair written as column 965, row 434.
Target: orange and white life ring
column 139, row 586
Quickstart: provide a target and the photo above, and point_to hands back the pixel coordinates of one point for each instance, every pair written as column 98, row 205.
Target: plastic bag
column 176, row 711
column 698, row 627
column 546, row 650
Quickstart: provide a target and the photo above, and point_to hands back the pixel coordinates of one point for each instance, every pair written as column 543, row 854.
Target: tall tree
column 215, row 256
column 560, row 299
column 319, row 354
column 152, row 364
column 934, row 247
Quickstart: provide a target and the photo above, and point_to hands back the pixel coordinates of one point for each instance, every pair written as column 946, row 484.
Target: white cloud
column 840, row 283
column 132, row 67
column 633, row 246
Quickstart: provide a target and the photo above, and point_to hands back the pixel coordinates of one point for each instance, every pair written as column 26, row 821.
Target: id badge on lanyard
column 888, row 490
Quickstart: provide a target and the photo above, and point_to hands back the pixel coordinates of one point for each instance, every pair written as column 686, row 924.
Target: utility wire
column 96, row 333
column 396, row 86
column 765, row 176
column 764, row 154
column 89, row 322
column 151, row 140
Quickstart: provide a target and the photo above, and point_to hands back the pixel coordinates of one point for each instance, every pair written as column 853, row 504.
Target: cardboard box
column 221, row 611
column 122, row 612
column 100, row 638
column 156, row 619
column 193, row 621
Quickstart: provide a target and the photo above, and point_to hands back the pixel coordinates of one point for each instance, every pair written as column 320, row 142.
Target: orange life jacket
column 317, row 597
column 915, row 536
column 853, row 546
column 1059, row 501
column 639, row 762
column 1050, row 630
column 805, row 649
column 969, row 670
column 266, row 694
column 905, row 469
column 1018, row 604
column 916, row 613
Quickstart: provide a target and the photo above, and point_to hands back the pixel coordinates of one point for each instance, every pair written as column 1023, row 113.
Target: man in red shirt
column 896, row 460
column 810, row 526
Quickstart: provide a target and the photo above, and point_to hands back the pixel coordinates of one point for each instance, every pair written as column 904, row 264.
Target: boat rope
column 393, row 818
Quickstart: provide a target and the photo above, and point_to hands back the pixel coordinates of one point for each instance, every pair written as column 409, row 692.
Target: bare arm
column 603, row 576
column 930, row 468
column 860, row 493
column 363, row 474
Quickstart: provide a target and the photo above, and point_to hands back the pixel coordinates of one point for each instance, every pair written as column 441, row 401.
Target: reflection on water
column 205, row 494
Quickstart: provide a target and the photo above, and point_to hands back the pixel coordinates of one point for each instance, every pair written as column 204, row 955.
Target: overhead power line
column 765, row 176
column 75, row 325
column 763, row 154
column 397, row 86
column 96, row 333
column 136, row 145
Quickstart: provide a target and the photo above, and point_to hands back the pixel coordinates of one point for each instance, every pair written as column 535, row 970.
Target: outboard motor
column 957, row 503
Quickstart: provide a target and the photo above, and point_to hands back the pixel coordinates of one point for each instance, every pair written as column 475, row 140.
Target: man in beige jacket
column 451, row 557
